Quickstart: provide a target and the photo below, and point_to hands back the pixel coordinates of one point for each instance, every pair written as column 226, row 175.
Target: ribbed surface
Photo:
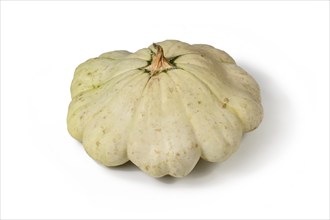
column 165, row 123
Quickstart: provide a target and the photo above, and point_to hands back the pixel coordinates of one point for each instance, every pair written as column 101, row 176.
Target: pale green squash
column 163, row 107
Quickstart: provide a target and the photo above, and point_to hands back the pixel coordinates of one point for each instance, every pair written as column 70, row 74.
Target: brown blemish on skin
column 199, row 102
column 158, row 129
column 147, row 167
column 177, row 154
column 82, row 116
column 225, row 101
column 97, row 143
column 89, row 73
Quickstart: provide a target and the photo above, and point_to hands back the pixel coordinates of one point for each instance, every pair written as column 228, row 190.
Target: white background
column 281, row 169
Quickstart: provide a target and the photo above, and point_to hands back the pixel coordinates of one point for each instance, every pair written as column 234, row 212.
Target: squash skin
column 166, row 122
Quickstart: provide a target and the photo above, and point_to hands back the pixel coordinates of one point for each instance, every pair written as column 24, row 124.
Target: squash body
column 166, row 121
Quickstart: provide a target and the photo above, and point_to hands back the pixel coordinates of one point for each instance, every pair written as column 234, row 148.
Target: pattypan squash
column 163, row 107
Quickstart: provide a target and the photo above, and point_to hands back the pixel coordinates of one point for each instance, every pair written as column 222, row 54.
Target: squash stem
column 159, row 63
